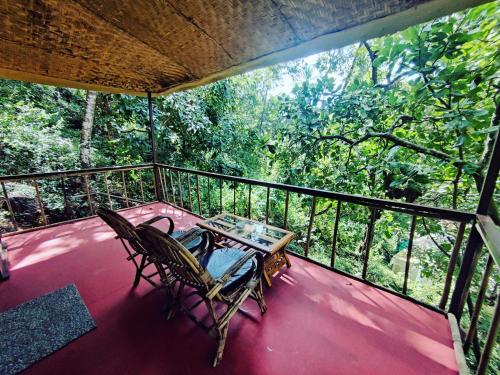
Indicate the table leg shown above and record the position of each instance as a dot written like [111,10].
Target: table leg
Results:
[267,278]
[287,260]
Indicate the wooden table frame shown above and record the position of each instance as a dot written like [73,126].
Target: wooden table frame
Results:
[275,256]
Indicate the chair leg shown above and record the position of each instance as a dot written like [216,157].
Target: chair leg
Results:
[138,272]
[220,333]
[221,342]
[176,303]
[259,297]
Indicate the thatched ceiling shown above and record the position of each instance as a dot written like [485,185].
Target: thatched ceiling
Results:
[134,46]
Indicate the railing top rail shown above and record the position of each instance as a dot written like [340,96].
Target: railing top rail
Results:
[73,172]
[408,208]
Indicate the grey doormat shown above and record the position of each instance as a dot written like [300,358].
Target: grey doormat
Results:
[37,328]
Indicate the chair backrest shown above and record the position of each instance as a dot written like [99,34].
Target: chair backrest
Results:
[124,229]
[183,265]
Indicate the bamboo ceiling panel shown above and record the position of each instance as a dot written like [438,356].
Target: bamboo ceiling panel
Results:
[135,46]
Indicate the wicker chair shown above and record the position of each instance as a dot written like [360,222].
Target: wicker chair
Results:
[126,232]
[227,275]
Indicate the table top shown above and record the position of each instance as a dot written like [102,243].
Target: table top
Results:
[252,233]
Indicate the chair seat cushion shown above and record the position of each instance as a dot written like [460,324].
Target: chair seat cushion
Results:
[220,260]
[191,245]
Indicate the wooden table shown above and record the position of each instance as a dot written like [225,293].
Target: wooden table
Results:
[271,241]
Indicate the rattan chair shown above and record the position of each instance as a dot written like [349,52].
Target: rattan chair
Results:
[126,233]
[227,275]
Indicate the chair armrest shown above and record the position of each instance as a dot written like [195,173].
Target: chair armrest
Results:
[161,217]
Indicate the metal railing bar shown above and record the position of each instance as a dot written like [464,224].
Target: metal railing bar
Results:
[65,195]
[451,265]
[87,192]
[179,187]
[234,198]
[287,200]
[490,340]
[188,176]
[478,305]
[408,253]
[40,203]
[198,197]
[125,193]
[163,184]
[72,173]
[335,234]
[404,207]
[249,201]
[268,192]
[368,241]
[309,227]
[208,190]
[106,185]
[9,207]
[220,195]
[141,186]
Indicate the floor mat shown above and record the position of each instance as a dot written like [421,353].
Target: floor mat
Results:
[37,328]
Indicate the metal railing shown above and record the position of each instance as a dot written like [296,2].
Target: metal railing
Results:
[489,236]
[110,185]
[176,188]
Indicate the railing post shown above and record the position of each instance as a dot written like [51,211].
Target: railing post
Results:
[9,207]
[451,266]
[124,181]
[490,340]
[220,195]
[408,253]
[40,203]
[141,186]
[198,197]
[189,192]
[268,192]
[65,197]
[208,191]
[172,186]
[368,242]
[164,180]
[234,198]
[479,303]
[473,248]
[87,191]
[180,188]
[106,185]
[309,227]
[287,199]
[163,185]
[249,201]
[156,174]
[335,234]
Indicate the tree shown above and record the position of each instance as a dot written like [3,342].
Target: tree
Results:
[86,133]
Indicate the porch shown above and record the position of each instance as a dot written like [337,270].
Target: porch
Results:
[318,322]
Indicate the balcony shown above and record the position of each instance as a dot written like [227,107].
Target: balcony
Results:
[318,321]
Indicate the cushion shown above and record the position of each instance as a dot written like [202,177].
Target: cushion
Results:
[220,260]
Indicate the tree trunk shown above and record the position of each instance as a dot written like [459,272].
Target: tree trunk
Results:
[86,133]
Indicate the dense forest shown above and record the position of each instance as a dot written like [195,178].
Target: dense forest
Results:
[411,116]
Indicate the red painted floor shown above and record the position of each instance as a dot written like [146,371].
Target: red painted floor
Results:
[318,322]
